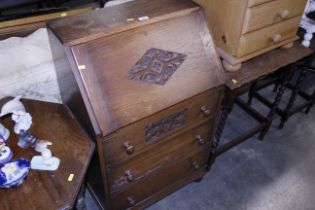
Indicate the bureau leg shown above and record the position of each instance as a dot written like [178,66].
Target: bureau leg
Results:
[276,102]
[292,99]
[226,108]
[229,67]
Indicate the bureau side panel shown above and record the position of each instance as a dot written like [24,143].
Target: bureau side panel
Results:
[225,19]
[69,88]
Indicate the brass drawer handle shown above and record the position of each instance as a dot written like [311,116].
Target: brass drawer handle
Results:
[195,166]
[276,38]
[129,175]
[201,140]
[131,201]
[129,148]
[205,111]
[284,14]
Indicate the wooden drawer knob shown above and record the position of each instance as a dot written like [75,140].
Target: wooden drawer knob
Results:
[205,111]
[284,14]
[129,148]
[129,175]
[276,38]
[201,140]
[195,166]
[131,201]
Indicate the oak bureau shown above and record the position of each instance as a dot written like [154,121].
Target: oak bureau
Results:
[243,29]
[146,82]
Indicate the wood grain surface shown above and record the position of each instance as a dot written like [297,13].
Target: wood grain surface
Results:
[44,190]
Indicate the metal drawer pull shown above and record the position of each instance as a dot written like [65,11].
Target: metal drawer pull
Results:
[276,38]
[205,111]
[129,175]
[195,166]
[284,13]
[131,201]
[200,140]
[129,148]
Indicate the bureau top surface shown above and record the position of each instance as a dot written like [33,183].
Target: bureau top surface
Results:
[111,20]
[130,75]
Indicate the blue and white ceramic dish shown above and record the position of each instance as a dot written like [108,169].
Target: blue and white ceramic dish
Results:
[13,173]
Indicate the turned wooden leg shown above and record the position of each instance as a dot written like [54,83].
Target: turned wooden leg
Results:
[292,99]
[251,93]
[226,108]
[80,203]
[280,91]
[288,46]
[229,67]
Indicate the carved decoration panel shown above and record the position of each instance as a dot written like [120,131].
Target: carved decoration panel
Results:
[156,66]
[165,126]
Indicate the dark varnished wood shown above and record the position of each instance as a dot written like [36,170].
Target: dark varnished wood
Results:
[266,64]
[50,190]
[110,59]
[250,72]
[135,133]
[112,20]
[160,180]
[147,112]
[172,149]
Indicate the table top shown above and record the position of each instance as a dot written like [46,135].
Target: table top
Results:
[42,189]
[266,64]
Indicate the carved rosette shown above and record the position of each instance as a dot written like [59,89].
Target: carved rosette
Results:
[156,66]
[165,126]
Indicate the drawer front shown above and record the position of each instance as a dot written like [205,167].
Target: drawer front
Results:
[267,37]
[252,3]
[271,13]
[130,141]
[161,179]
[173,150]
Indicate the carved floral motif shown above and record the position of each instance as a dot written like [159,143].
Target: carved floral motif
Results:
[166,125]
[156,66]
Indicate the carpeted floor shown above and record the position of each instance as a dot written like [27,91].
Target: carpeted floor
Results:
[276,174]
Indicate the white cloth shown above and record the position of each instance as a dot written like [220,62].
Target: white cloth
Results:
[28,66]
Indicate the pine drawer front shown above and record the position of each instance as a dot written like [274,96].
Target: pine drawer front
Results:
[252,3]
[173,150]
[136,138]
[268,37]
[160,180]
[272,12]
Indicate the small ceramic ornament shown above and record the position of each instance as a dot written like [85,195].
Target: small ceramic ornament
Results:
[5,133]
[5,152]
[23,122]
[13,173]
[46,161]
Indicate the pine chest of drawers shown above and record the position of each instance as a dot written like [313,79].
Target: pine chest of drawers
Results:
[243,29]
[146,82]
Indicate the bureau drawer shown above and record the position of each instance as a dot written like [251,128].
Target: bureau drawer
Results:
[173,150]
[257,2]
[136,138]
[272,12]
[267,37]
[162,179]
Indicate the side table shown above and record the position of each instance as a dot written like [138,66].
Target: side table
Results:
[251,72]
[43,189]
